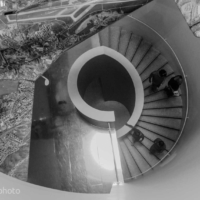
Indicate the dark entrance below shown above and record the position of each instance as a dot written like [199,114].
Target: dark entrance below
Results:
[106,85]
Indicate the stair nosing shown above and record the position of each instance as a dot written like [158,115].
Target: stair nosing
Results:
[154,60]
[150,62]
[145,53]
[137,49]
[133,157]
[159,99]
[162,116]
[160,125]
[155,70]
[163,107]
[131,33]
[152,154]
[137,46]
[141,155]
[148,150]
[156,133]
[125,159]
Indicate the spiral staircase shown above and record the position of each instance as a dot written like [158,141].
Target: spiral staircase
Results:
[162,116]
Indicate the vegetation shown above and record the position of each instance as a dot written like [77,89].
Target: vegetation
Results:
[29,43]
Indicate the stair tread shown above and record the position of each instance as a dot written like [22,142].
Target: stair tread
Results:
[139,159]
[166,67]
[151,159]
[148,59]
[166,132]
[158,63]
[133,168]
[166,122]
[124,41]
[164,112]
[148,143]
[171,102]
[114,37]
[125,170]
[156,96]
[104,37]
[140,53]
[132,47]
[153,136]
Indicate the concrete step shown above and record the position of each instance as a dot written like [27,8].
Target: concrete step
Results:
[133,168]
[104,37]
[139,159]
[124,41]
[148,143]
[114,37]
[152,136]
[133,46]
[140,53]
[158,63]
[163,131]
[165,122]
[166,67]
[125,170]
[171,102]
[156,96]
[164,112]
[151,159]
[151,55]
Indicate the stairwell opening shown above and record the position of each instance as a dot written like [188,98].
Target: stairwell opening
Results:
[105,84]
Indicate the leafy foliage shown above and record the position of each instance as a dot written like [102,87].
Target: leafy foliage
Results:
[32,42]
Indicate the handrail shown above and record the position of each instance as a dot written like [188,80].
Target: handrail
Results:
[114,159]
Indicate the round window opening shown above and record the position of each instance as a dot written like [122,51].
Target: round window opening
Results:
[106,85]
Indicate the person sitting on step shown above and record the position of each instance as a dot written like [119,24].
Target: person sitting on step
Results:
[173,85]
[157,78]
[158,146]
[137,135]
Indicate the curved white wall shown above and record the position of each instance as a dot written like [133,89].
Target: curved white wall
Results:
[98,115]
[179,179]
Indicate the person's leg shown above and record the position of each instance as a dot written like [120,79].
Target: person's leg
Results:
[154,87]
[152,149]
[169,91]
